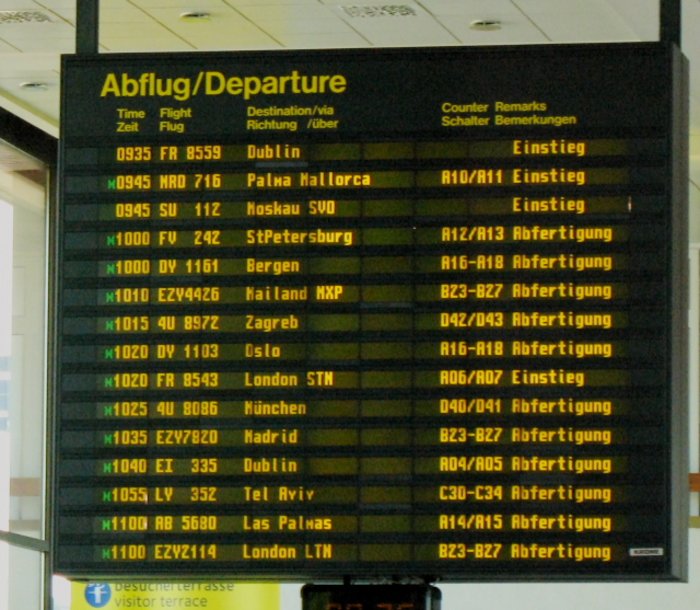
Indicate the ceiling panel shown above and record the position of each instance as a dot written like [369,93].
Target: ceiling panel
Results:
[122,11]
[281,3]
[178,6]
[641,16]
[149,44]
[337,40]
[21,5]
[513,27]
[575,21]
[6,48]
[302,18]
[402,24]
[42,101]
[128,30]
[226,29]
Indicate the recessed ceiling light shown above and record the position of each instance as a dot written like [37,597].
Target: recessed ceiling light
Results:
[34,85]
[23,17]
[195,16]
[383,10]
[485,25]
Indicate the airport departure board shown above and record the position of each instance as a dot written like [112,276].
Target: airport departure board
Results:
[373,313]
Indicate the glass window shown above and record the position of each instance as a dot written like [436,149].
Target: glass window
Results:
[23,300]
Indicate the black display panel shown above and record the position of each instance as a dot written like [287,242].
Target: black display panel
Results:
[411,313]
[370,597]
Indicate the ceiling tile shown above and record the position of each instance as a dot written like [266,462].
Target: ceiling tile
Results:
[318,17]
[457,17]
[310,21]
[240,3]
[183,5]
[121,13]
[225,16]
[235,42]
[575,21]
[134,30]
[51,29]
[407,24]
[6,47]
[20,5]
[337,40]
[18,64]
[279,28]
[125,44]
[483,8]
[44,44]
[226,29]
[45,100]
[509,34]
[641,16]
